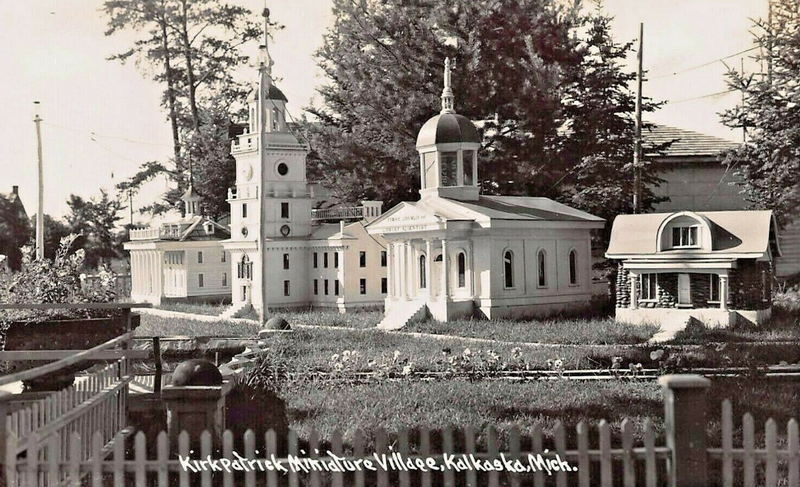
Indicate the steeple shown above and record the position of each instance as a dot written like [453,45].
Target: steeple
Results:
[191,201]
[265,60]
[447,92]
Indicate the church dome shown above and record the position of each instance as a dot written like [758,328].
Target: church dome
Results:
[447,128]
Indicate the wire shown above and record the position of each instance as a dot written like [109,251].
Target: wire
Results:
[710,95]
[93,134]
[703,65]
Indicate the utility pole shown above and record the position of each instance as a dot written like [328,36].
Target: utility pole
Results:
[637,140]
[40,211]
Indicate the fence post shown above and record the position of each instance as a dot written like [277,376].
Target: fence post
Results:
[5,398]
[685,428]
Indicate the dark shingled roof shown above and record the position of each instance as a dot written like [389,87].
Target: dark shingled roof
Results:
[447,127]
[685,143]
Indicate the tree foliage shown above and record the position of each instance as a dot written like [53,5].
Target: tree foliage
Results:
[769,163]
[192,48]
[95,220]
[542,78]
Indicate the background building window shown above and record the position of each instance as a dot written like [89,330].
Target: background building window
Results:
[713,291]
[384,285]
[284,209]
[461,262]
[285,261]
[244,210]
[541,259]
[383,258]
[325,286]
[684,236]
[336,260]
[199,280]
[223,257]
[200,257]
[224,279]
[648,288]
[316,287]
[325,260]
[336,287]
[573,267]
[508,268]
[362,284]
[315,260]
[285,288]
[362,259]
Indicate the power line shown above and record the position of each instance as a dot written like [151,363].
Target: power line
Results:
[710,95]
[703,65]
[93,134]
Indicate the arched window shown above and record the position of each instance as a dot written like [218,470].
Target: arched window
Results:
[541,259]
[276,118]
[573,267]
[462,269]
[508,268]
[422,281]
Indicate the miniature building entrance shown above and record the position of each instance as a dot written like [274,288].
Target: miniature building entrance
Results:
[684,290]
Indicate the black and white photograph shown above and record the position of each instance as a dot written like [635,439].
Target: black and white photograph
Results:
[412,243]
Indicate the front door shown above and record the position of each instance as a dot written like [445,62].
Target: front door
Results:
[684,289]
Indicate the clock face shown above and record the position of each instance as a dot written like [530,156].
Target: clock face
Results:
[247,172]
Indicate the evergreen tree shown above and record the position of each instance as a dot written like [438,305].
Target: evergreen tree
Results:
[95,221]
[769,163]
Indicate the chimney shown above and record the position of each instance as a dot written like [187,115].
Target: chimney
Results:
[15,190]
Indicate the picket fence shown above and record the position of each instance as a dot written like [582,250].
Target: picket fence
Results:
[648,462]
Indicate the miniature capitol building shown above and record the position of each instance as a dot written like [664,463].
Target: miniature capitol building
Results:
[455,251]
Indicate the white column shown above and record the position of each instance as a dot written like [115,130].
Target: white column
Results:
[632,278]
[428,265]
[471,269]
[445,272]
[401,265]
[410,281]
[723,292]
[389,273]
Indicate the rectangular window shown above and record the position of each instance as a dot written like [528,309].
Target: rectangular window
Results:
[223,257]
[383,258]
[285,261]
[336,287]
[284,209]
[684,236]
[648,287]
[362,284]
[713,291]
[429,163]
[199,257]
[316,287]
[285,288]
[199,280]
[467,158]
[326,287]
[325,260]
[449,164]
[362,259]
[384,285]
[315,260]
[336,260]
[224,279]
[244,210]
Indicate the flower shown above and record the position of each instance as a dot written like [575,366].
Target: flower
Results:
[408,369]
[396,355]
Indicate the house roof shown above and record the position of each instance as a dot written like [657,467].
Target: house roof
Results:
[685,143]
[732,232]
[330,231]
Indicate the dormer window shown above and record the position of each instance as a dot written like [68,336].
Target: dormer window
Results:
[685,236]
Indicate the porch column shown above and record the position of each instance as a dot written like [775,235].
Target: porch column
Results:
[401,275]
[389,273]
[428,265]
[445,272]
[634,292]
[412,281]
[723,292]
[470,269]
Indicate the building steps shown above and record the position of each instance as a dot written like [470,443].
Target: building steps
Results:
[236,311]
[401,316]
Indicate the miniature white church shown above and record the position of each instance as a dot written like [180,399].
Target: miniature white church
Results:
[456,252]
[282,255]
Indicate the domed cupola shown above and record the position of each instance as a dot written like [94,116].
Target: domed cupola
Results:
[448,146]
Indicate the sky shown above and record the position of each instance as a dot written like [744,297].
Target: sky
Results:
[102,119]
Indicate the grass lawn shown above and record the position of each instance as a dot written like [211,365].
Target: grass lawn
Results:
[210,308]
[555,330]
[152,325]
[437,405]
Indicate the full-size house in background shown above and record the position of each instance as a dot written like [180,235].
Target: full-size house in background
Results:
[456,251]
[715,266]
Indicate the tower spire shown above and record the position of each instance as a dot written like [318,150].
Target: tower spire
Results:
[447,92]
[265,61]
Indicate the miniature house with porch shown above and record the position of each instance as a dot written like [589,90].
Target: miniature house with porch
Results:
[714,266]
[455,251]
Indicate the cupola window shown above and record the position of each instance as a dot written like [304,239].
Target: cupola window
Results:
[466,168]
[449,163]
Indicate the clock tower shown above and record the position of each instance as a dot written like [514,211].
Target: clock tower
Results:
[271,202]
